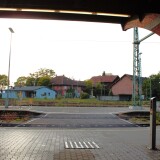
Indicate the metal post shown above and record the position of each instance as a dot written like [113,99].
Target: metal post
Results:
[137,77]
[153,123]
[136,95]
[150,88]
[7,96]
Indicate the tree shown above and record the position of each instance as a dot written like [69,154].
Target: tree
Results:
[30,81]
[44,81]
[21,81]
[42,78]
[89,86]
[3,80]
[152,84]
[43,72]
[98,89]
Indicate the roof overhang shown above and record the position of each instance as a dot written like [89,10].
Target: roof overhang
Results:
[128,13]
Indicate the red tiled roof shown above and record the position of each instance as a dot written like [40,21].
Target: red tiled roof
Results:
[106,78]
[62,80]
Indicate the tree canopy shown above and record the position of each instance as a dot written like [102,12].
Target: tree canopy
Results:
[3,80]
[40,78]
[151,86]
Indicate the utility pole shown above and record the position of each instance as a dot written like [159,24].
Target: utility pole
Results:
[137,81]
[137,70]
[7,96]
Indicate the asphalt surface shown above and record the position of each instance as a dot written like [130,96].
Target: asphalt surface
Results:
[71,120]
[73,117]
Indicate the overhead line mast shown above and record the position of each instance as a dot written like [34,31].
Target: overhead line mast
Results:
[137,70]
[137,81]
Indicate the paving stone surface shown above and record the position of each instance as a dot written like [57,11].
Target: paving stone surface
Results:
[44,143]
[49,144]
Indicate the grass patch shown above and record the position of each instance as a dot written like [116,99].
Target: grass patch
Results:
[77,102]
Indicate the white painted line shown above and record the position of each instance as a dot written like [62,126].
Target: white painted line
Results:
[45,115]
[85,144]
[71,144]
[122,119]
[90,145]
[95,144]
[27,122]
[32,120]
[76,145]
[81,145]
[66,145]
[125,121]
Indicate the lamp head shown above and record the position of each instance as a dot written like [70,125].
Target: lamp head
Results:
[11,30]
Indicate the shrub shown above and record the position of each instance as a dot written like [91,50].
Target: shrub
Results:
[84,95]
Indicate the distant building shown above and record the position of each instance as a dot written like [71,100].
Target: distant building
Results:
[124,87]
[30,92]
[65,86]
[106,80]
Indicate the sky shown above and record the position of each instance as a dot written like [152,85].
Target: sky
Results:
[78,50]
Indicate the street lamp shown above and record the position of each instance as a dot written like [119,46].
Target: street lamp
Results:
[7,97]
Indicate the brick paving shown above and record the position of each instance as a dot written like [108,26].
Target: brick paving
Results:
[48,144]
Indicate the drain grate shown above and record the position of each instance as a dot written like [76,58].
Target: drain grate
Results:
[81,145]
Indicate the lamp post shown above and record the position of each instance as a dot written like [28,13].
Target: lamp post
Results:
[7,97]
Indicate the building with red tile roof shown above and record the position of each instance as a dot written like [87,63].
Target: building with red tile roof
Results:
[124,87]
[106,80]
[61,84]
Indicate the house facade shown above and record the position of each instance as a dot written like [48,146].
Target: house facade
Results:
[107,81]
[67,87]
[123,87]
[29,92]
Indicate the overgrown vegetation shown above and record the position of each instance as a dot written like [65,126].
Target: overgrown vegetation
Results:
[16,116]
[13,116]
[60,101]
[84,95]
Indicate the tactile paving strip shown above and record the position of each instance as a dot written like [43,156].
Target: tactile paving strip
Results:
[81,145]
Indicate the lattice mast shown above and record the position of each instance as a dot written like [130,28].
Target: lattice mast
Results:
[137,81]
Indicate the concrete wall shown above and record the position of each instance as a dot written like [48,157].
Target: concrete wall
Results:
[109,98]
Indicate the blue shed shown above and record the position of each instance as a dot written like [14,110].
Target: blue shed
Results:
[30,92]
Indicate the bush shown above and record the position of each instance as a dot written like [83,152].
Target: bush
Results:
[158,116]
[84,95]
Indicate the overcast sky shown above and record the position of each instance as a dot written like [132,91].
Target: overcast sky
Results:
[77,50]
